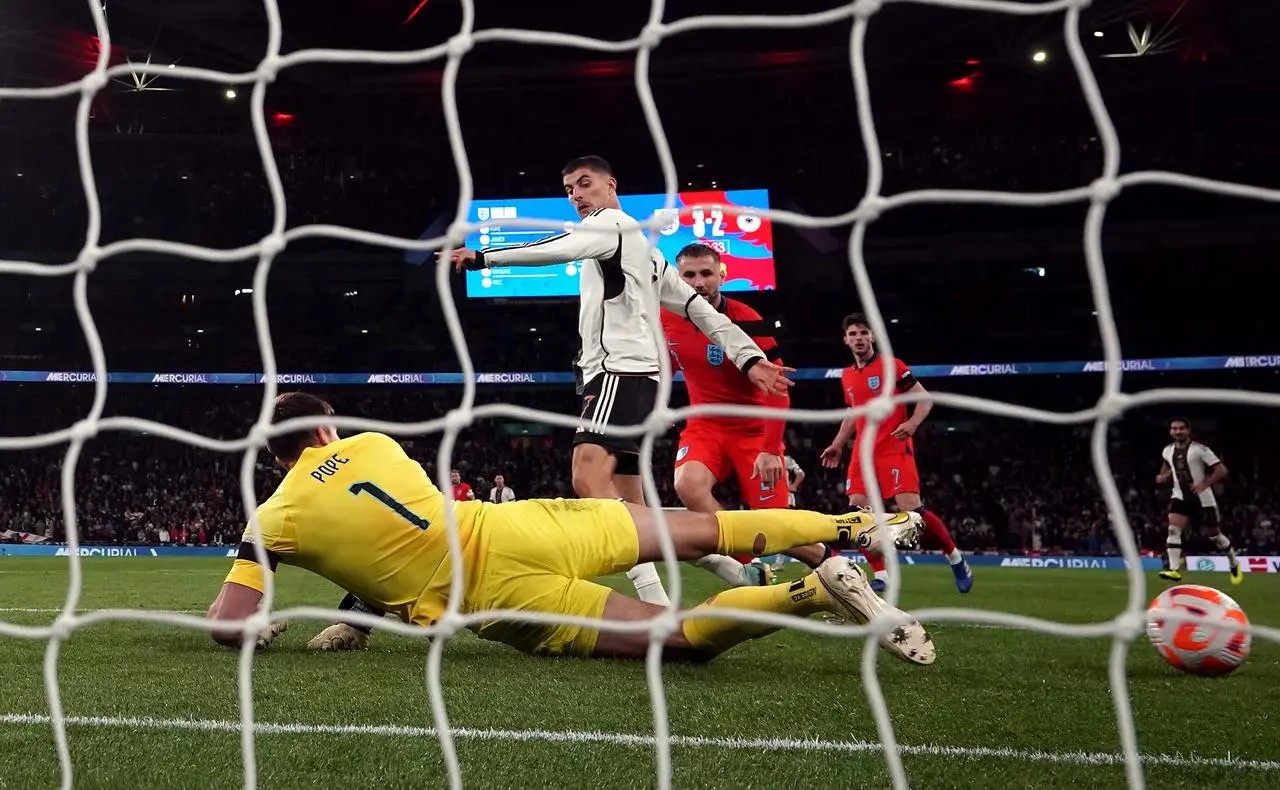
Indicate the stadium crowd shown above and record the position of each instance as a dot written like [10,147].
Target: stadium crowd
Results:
[1003,485]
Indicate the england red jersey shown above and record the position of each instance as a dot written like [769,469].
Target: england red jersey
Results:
[861,384]
[462,492]
[710,376]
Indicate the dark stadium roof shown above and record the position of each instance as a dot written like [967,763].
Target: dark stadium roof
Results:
[54,39]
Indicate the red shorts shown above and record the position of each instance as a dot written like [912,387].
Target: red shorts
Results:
[896,474]
[725,450]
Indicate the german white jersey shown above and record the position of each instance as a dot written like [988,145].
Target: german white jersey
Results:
[614,322]
[793,471]
[1191,463]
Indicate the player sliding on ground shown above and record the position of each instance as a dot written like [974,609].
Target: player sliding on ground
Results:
[894,452]
[362,514]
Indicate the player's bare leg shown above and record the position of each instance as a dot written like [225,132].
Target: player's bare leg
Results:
[596,476]
[837,587]
[593,468]
[694,485]
[935,527]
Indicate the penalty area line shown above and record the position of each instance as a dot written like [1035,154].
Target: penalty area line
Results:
[630,740]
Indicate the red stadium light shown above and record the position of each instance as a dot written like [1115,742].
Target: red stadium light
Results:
[414,12]
[967,82]
[603,68]
[282,118]
[973,62]
[784,58]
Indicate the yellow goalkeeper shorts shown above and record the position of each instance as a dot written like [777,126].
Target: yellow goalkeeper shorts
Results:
[537,556]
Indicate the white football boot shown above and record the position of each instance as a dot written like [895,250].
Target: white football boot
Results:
[854,599]
[859,529]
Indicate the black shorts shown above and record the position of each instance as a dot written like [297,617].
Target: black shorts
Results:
[1196,513]
[611,399]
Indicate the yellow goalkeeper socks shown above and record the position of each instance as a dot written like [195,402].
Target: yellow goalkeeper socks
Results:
[801,598]
[761,532]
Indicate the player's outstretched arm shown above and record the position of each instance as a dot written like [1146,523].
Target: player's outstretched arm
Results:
[1165,474]
[572,245]
[678,296]
[832,455]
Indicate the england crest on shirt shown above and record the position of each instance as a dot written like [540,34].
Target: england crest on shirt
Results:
[715,355]
[873,382]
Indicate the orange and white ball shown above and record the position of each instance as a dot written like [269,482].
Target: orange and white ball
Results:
[1211,647]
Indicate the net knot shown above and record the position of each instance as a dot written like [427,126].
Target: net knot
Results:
[1112,405]
[450,624]
[1104,190]
[84,430]
[62,625]
[458,420]
[460,45]
[871,207]
[865,8]
[652,35]
[258,435]
[88,259]
[273,245]
[94,81]
[664,625]
[660,421]
[456,235]
[1130,624]
[879,409]
[269,68]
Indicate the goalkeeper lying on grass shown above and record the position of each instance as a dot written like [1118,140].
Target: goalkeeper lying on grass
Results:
[362,514]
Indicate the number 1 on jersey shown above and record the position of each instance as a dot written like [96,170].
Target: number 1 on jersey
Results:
[372,490]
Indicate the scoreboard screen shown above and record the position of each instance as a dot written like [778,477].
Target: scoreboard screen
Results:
[727,222]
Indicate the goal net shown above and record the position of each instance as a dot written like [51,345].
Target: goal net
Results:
[1122,629]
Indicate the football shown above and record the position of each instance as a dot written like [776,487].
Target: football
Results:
[1211,648]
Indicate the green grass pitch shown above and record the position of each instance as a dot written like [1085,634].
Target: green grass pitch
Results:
[156,705]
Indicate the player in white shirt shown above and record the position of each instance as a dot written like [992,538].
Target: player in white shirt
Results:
[1193,469]
[795,476]
[619,355]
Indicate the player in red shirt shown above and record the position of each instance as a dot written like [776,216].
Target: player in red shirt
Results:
[894,452]
[461,491]
[712,448]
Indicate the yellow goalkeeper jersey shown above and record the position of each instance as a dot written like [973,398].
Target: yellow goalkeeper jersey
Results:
[364,515]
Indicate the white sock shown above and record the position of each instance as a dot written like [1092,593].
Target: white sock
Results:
[1174,547]
[728,569]
[955,557]
[648,584]
[1223,543]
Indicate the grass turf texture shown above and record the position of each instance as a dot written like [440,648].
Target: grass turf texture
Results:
[999,709]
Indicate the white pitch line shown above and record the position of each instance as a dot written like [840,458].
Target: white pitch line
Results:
[629,740]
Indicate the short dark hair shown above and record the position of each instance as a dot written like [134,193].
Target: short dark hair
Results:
[591,162]
[288,446]
[854,319]
[698,250]
[1182,420]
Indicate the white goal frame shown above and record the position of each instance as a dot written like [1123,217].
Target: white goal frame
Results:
[1112,403]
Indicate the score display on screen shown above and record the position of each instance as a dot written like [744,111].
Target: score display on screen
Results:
[726,222]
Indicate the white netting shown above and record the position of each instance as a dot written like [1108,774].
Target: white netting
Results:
[1123,629]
